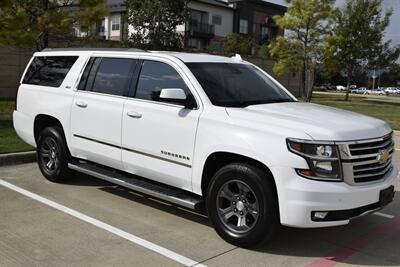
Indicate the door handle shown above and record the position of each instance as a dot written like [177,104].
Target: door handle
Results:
[81,104]
[134,114]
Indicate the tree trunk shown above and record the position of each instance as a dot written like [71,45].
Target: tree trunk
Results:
[310,84]
[304,82]
[348,84]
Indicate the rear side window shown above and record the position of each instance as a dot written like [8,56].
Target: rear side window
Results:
[49,71]
[108,75]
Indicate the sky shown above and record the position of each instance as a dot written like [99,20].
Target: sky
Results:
[393,30]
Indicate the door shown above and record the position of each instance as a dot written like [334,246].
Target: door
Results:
[158,138]
[97,110]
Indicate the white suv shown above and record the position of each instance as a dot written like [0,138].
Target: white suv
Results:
[198,129]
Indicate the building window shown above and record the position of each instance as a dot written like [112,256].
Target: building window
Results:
[115,23]
[243,26]
[216,19]
[101,27]
[267,34]
[254,28]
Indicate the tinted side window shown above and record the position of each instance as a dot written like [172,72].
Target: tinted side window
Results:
[113,76]
[155,76]
[49,71]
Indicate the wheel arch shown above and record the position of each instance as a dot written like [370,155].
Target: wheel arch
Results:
[42,121]
[217,160]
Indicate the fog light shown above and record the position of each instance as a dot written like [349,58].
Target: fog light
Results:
[320,215]
[325,166]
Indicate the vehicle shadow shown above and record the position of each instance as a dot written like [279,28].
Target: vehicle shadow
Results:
[334,242]
[289,242]
[198,215]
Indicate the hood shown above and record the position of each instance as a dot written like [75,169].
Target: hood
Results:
[317,121]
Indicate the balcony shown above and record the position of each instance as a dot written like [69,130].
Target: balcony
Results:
[200,30]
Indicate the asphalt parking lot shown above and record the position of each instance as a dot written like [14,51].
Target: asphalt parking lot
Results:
[88,222]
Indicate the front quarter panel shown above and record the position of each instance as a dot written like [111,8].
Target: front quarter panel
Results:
[218,132]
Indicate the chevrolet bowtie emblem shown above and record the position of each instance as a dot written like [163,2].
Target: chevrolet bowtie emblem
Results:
[383,156]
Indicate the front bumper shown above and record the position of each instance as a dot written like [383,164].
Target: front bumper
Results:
[299,198]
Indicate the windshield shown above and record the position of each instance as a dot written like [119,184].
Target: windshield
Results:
[237,85]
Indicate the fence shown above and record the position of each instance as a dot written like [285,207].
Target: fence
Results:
[13,61]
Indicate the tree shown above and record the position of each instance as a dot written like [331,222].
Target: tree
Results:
[306,23]
[392,76]
[236,44]
[155,22]
[33,22]
[357,39]
[89,15]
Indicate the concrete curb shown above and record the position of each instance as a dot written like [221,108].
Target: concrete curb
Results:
[17,158]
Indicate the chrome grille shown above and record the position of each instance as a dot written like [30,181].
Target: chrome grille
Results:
[360,161]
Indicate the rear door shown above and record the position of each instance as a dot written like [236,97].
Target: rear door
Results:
[97,109]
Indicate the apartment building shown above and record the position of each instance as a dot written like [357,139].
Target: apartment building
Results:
[113,27]
[255,18]
[210,20]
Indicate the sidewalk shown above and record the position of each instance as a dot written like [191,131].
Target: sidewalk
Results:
[396,135]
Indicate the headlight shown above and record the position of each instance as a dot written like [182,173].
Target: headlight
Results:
[322,158]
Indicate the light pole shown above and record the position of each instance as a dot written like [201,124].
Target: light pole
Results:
[373,80]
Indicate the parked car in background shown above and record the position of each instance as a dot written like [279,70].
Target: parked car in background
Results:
[353,87]
[330,87]
[340,88]
[376,92]
[361,90]
[392,90]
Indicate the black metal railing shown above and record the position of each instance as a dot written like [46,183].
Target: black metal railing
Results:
[199,28]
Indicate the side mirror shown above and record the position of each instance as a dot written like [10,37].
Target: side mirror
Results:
[177,96]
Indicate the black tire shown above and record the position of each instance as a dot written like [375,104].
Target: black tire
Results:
[258,226]
[51,146]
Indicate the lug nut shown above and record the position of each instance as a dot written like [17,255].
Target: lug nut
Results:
[234,202]
[237,197]
[241,213]
[235,210]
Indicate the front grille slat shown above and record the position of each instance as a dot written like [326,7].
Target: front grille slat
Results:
[360,154]
[384,145]
[362,161]
[370,167]
[373,173]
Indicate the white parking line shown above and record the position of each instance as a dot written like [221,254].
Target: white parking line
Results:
[135,239]
[384,215]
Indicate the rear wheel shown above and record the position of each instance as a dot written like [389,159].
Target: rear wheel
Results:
[53,155]
[242,205]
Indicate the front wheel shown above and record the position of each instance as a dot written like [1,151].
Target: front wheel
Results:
[242,205]
[53,155]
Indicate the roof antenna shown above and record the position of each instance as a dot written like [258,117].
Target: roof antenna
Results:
[237,57]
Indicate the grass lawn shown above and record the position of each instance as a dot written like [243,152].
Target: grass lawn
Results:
[9,141]
[389,112]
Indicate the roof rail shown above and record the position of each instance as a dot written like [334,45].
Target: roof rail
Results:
[94,49]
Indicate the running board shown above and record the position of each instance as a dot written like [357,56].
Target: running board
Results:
[157,190]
